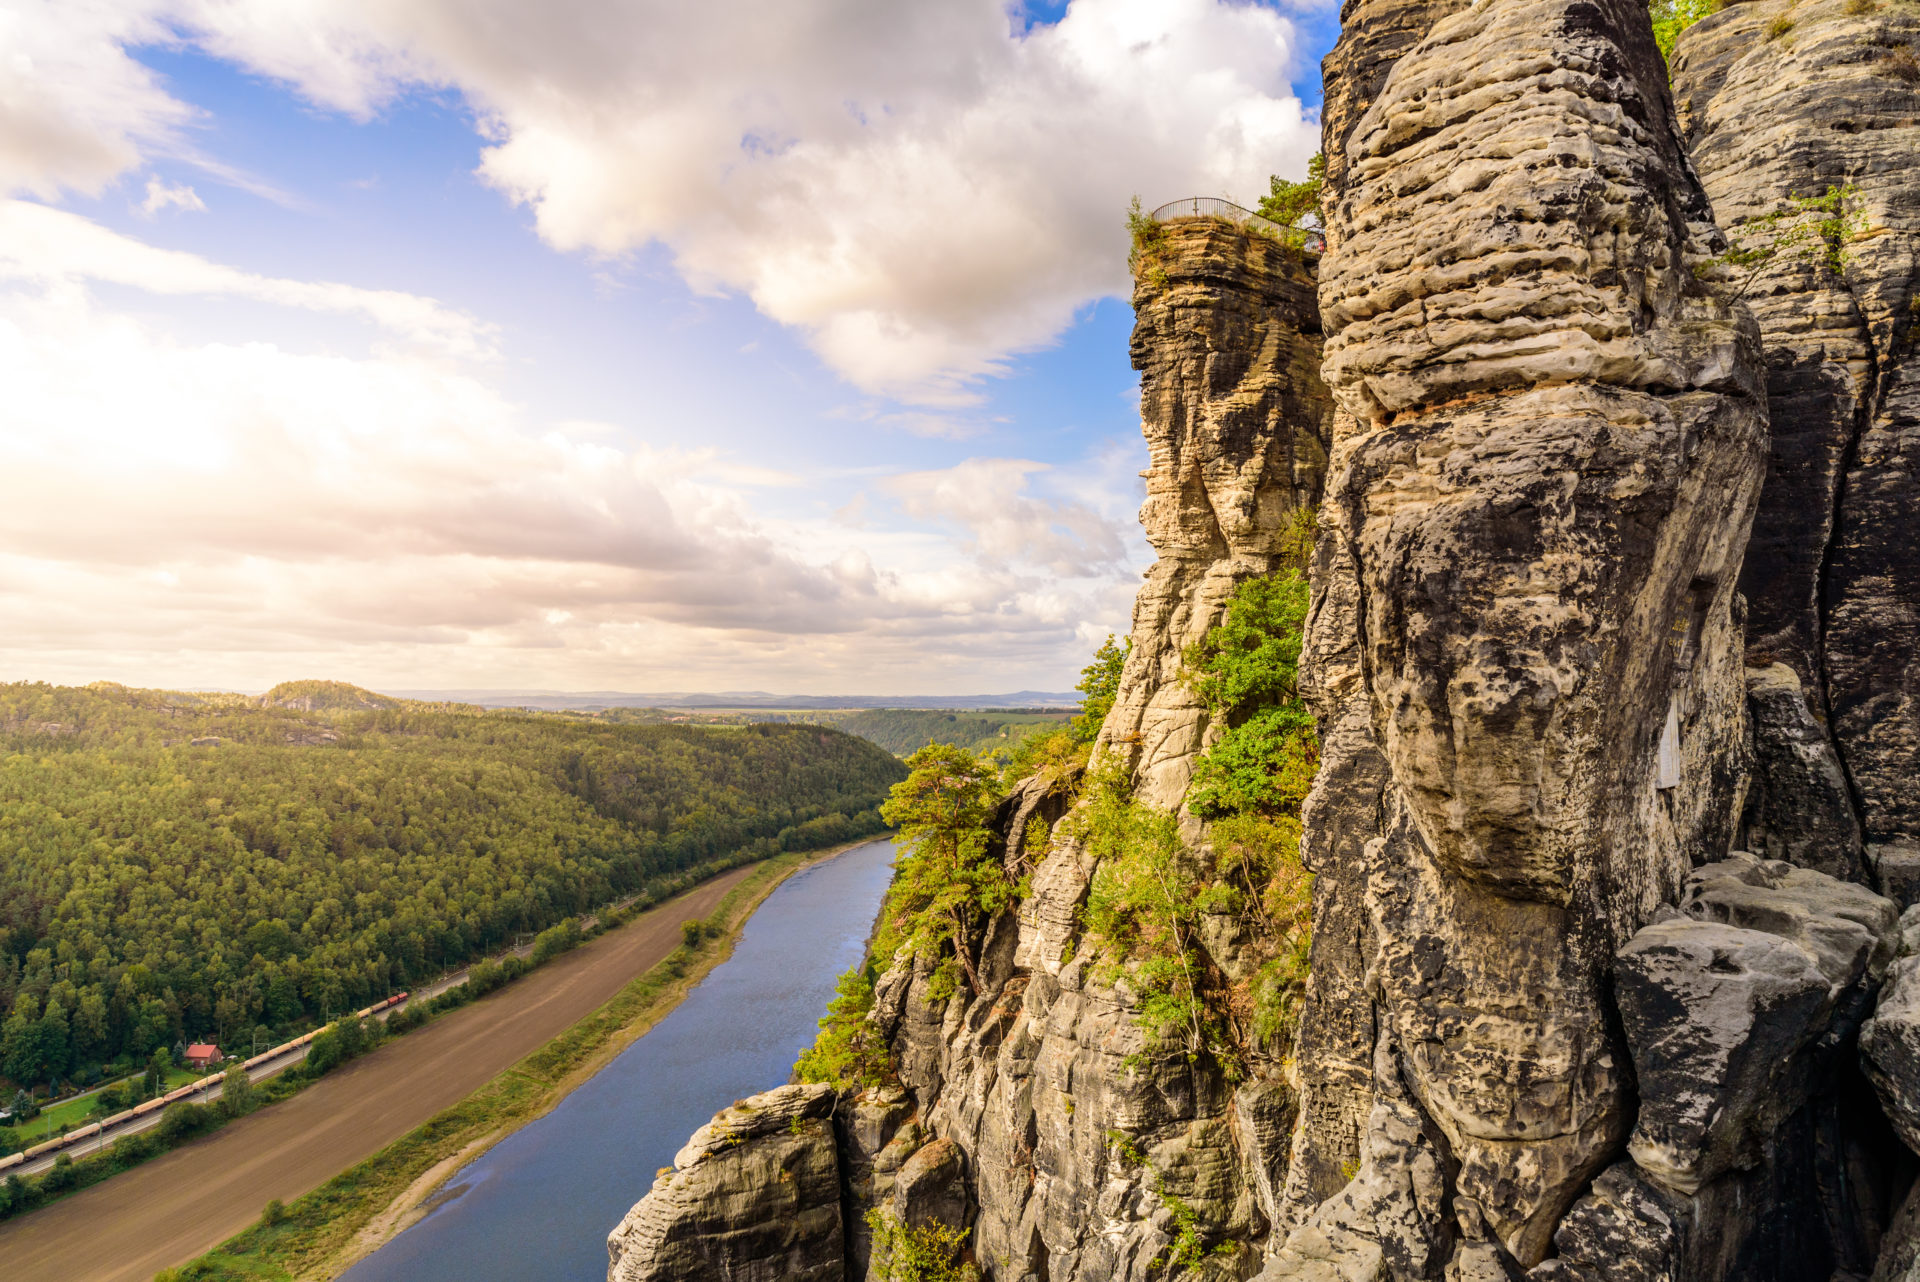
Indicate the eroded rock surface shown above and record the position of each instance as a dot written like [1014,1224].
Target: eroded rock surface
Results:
[1782,100]
[754,1196]
[1550,440]
[1226,339]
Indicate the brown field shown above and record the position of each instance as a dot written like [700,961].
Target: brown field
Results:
[184,1203]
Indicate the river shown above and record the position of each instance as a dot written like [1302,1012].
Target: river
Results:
[540,1203]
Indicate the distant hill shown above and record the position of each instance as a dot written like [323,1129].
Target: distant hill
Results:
[325,696]
[591,700]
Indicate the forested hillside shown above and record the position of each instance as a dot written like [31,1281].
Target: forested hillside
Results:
[180,866]
[905,730]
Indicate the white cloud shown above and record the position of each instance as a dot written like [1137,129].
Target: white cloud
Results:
[226,514]
[1003,525]
[76,110]
[44,245]
[162,196]
[922,189]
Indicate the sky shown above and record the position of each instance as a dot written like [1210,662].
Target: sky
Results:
[591,345]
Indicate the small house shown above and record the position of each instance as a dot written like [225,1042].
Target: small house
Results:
[203,1055]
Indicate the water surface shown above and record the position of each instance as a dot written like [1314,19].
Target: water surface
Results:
[541,1202]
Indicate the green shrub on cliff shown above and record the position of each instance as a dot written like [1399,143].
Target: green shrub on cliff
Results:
[1254,779]
[1291,203]
[849,1052]
[1145,905]
[1671,17]
[905,1253]
[1819,230]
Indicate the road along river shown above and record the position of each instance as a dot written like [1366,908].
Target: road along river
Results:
[174,1207]
[541,1202]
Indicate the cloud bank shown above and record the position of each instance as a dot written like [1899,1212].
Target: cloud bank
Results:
[923,190]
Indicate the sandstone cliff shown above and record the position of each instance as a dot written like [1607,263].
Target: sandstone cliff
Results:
[1616,805]
[1780,101]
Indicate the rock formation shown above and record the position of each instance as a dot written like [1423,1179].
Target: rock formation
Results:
[1616,807]
[1549,448]
[754,1196]
[1778,101]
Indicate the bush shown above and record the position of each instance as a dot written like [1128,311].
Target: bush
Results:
[183,1119]
[903,1253]
[1671,17]
[555,940]
[236,1092]
[59,1178]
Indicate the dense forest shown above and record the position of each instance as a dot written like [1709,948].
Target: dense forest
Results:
[177,866]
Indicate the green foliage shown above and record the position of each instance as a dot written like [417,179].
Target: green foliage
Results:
[1671,17]
[1100,684]
[1819,230]
[186,867]
[849,1052]
[1247,671]
[1258,856]
[1147,240]
[946,881]
[903,1253]
[554,940]
[1292,203]
[1143,906]
[236,1092]
[1253,781]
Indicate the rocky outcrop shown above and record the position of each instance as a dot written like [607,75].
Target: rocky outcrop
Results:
[1082,1149]
[753,1197]
[1739,1011]
[1548,449]
[1226,339]
[1781,100]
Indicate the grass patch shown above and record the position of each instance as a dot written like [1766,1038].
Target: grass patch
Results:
[319,1233]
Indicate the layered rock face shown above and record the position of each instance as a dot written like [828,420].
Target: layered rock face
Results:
[754,1196]
[1237,426]
[1524,642]
[1777,101]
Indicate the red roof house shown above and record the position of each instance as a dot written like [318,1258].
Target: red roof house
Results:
[203,1055]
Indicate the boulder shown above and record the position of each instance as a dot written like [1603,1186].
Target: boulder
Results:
[1716,1016]
[754,1196]
[1727,1003]
[1890,1041]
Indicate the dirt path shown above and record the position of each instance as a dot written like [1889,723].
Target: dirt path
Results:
[184,1203]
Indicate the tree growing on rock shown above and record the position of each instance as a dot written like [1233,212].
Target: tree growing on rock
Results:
[947,882]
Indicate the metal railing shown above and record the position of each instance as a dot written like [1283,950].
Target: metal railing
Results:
[1214,207]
